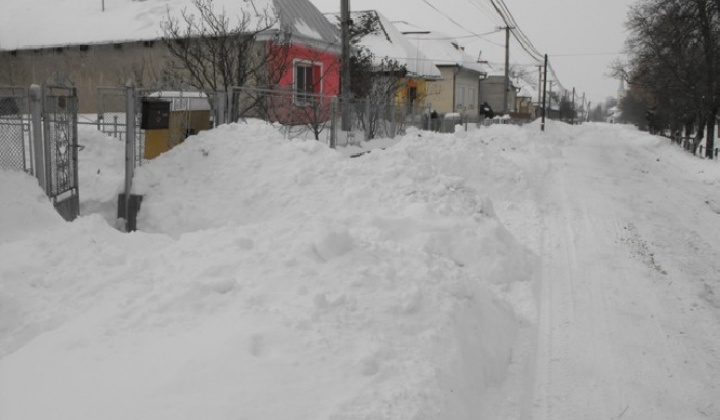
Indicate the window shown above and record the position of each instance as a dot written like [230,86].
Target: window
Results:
[307,82]
[460,101]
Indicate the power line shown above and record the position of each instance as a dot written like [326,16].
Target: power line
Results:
[447,38]
[451,19]
[486,11]
[586,54]
[522,39]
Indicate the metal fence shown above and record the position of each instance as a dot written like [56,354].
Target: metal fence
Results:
[38,135]
[698,147]
[15,140]
[326,118]
[112,117]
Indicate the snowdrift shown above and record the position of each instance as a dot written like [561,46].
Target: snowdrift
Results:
[269,279]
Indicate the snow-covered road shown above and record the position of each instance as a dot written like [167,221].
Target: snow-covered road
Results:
[628,306]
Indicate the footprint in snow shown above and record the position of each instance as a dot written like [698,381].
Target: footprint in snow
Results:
[713,206]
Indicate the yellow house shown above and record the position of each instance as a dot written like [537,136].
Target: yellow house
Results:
[413,91]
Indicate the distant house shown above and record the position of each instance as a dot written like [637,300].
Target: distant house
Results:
[385,41]
[526,95]
[458,90]
[94,48]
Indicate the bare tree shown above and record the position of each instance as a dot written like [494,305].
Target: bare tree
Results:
[674,49]
[213,52]
[374,82]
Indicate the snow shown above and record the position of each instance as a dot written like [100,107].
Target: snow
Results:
[443,50]
[72,22]
[388,42]
[302,28]
[496,273]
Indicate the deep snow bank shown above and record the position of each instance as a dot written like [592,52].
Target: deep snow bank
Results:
[25,208]
[270,279]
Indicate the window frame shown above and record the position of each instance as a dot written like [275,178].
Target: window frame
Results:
[305,97]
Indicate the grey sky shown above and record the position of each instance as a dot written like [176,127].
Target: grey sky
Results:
[581,37]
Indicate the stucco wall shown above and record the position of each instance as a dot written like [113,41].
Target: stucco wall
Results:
[440,93]
[444,95]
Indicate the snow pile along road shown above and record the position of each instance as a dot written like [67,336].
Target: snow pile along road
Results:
[268,279]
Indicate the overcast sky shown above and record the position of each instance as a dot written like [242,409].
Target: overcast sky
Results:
[582,38]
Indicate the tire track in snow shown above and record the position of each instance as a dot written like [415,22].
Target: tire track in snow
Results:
[607,343]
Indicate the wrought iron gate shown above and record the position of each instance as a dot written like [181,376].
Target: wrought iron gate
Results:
[60,106]
[15,144]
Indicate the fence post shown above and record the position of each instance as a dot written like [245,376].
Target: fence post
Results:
[129,152]
[220,108]
[37,135]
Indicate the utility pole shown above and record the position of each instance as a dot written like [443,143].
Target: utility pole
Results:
[544,90]
[345,23]
[507,68]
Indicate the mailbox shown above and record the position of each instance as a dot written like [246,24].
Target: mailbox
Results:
[155,114]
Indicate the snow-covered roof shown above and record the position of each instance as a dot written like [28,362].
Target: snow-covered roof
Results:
[183,101]
[441,50]
[41,23]
[527,90]
[387,41]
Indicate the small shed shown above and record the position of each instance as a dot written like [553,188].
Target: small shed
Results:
[186,114]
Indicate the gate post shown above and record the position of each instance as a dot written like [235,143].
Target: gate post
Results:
[129,152]
[37,136]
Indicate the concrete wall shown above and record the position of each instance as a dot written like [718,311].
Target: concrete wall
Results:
[87,67]
[147,64]
[493,91]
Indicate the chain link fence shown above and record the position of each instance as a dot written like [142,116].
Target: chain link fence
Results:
[15,141]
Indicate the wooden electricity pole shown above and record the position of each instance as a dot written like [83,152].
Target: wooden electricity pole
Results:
[345,23]
[507,69]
